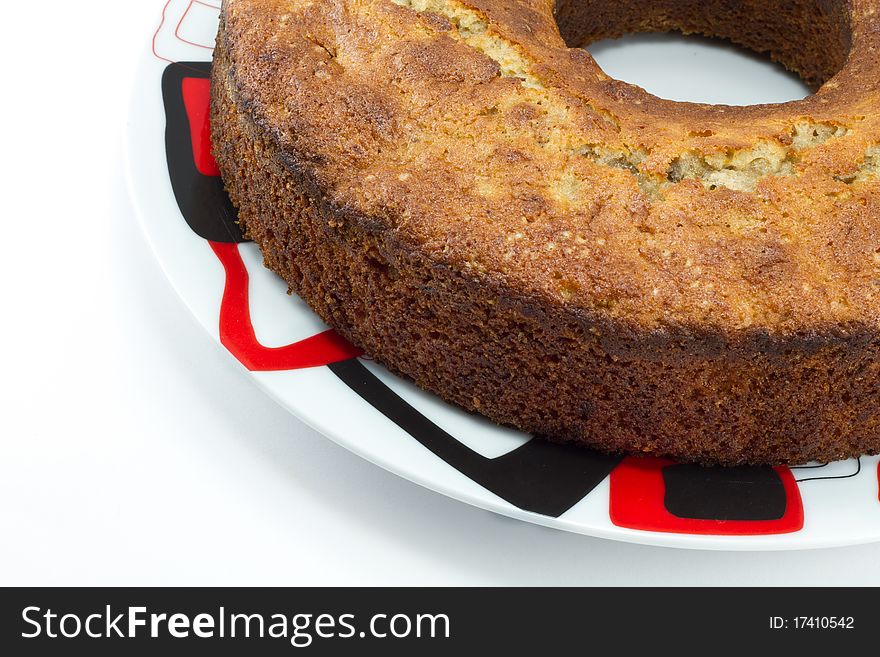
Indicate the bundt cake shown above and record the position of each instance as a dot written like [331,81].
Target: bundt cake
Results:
[456,187]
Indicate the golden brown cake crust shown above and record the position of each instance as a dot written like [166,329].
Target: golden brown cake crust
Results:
[483,210]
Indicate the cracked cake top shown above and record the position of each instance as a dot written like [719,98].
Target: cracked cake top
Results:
[474,132]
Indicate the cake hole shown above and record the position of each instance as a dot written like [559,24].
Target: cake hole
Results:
[697,69]
[810,38]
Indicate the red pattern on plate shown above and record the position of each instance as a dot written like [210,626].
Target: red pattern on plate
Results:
[197,100]
[186,13]
[637,502]
[238,336]
[176,32]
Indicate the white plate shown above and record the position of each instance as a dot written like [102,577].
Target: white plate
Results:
[401,428]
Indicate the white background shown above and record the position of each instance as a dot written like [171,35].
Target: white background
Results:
[135,452]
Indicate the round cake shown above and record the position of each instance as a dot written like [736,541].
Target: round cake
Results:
[460,190]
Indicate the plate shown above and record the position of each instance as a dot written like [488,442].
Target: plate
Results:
[330,385]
